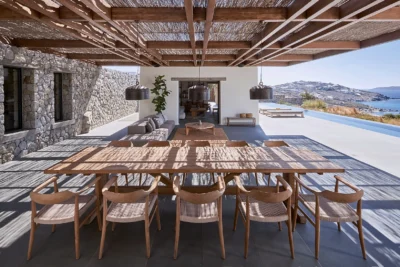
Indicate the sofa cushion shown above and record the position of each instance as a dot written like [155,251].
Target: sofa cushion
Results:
[138,127]
[149,128]
[153,125]
[169,125]
[156,123]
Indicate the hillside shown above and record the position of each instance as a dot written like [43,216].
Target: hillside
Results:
[391,91]
[329,92]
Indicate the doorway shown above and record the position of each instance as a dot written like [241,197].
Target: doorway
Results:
[207,111]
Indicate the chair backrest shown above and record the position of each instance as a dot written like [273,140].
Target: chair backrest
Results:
[277,143]
[53,198]
[197,143]
[130,197]
[236,144]
[269,194]
[120,143]
[199,198]
[158,144]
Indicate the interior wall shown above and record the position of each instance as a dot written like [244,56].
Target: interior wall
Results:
[235,97]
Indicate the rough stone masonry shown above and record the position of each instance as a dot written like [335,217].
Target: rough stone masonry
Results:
[92,97]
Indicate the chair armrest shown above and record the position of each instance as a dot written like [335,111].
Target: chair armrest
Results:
[305,186]
[153,185]
[45,184]
[113,180]
[355,188]
[240,185]
[279,179]
[87,187]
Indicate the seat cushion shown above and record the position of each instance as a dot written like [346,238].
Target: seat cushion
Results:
[170,125]
[264,212]
[64,212]
[138,127]
[129,212]
[330,211]
[199,213]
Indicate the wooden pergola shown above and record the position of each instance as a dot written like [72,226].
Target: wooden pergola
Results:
[193,33]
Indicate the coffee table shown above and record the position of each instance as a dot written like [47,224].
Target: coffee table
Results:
[198,126]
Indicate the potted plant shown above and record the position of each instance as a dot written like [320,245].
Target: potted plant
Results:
[160,91]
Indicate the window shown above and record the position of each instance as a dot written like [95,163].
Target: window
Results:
[12,99]
[58,97]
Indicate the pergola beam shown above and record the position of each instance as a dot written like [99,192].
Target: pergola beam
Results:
[83,11]
[207,27]
[51,43]
[110,26]
[47,15]
[316,30]
[313,10]
[210,57]
[163,14]
[190,22]
[298,7]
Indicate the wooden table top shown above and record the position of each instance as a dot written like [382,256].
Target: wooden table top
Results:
[203,125]
[103,160]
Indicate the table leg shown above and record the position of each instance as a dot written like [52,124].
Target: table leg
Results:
[213,130]
[289,177]
[187,130]
[99,197]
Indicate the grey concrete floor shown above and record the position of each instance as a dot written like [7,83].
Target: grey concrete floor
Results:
[199,245]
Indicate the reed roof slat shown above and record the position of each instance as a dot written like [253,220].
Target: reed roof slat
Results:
[30,30]
[363,30]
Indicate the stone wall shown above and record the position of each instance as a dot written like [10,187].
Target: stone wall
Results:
[92,97]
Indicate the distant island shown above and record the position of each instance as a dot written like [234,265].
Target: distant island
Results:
[377,104]
[391,91]
[336,94]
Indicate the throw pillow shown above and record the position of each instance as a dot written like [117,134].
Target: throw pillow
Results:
[149,129]
[156,123]
[153,126]
[160,119]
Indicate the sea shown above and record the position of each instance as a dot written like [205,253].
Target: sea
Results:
[393,105]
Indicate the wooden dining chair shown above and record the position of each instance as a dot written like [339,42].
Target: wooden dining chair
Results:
[330,206]
[264,205]
[241,144]
[62,207]
[124,143]
[129,207]
[198,144]
[276,143]
[199,208]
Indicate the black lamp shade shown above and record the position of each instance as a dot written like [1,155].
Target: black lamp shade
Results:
[261,92]
[199,93]
[137,92]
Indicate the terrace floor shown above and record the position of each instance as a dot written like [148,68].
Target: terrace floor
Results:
[199,245]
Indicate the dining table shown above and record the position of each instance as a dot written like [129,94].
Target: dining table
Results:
[167,161]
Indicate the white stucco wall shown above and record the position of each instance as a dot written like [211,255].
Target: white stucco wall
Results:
[235,97]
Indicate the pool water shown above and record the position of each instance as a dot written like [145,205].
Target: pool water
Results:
[363,124]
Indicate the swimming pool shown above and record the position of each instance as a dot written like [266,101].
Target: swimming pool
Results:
[363,124]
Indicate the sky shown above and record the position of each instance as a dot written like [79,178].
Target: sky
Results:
[377,66]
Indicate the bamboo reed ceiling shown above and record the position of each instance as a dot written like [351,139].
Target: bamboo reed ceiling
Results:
[205,32]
